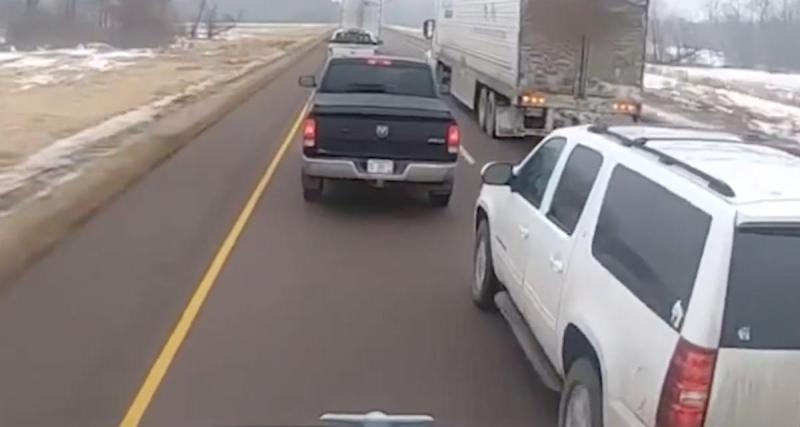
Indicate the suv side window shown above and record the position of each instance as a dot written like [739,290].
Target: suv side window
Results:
[532,179]
[574,187]
[652,241]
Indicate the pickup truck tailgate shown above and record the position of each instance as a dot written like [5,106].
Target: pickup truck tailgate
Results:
[405,131]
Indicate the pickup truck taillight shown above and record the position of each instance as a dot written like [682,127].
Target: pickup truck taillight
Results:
[687,386]
[310,132]
[453,138]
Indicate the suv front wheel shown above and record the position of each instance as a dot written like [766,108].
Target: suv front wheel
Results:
[484,283]
[582,397]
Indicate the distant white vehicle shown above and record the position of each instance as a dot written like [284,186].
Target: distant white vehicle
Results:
[527,67]
[363,14]
[650,274]
[352,43]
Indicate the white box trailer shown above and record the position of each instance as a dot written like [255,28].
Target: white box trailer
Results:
[372,16]
[350,14]
[361,14]
[529,66]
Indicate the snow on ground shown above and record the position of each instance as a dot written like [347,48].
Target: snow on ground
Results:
[46,67]
[777,86]
[761,102]
[59,107]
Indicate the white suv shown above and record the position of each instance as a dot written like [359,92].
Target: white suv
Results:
[651,275]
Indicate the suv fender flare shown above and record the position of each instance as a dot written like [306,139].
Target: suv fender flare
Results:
[580,325]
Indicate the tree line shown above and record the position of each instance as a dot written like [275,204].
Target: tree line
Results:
[748,33]
[123,23]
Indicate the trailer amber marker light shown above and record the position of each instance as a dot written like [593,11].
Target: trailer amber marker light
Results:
[533,99]
[624,107]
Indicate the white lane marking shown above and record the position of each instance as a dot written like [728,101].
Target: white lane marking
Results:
[468,157]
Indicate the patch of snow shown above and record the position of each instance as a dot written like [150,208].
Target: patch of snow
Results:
[29,62]
[46,67]
[760,113]
[662,116]
[62,160]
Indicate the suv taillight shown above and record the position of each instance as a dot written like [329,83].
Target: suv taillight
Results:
[309,132]
[687,387]
[453,138]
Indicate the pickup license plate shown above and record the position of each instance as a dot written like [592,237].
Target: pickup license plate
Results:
[382,167]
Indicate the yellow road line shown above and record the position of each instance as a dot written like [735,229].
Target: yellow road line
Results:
[162,364]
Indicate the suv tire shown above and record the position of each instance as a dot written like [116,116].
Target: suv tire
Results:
[484,281]
[581,402]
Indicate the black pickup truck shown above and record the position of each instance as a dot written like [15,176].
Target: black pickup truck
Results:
[379,119]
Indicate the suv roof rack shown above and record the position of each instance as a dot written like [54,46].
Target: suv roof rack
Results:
[715,184]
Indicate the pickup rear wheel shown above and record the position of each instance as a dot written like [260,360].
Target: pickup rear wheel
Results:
[439,200]
[484,283]
[312,188]
[582,397]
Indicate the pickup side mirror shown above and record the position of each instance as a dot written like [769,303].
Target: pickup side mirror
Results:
[496,173]
[428,28]
[307,81]
[444,89]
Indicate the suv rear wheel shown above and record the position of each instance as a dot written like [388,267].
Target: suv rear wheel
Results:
[582,397]
[484,283]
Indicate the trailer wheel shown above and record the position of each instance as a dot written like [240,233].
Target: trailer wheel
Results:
[481,108]
[491,115]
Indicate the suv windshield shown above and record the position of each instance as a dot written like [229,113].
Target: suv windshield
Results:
[761,310]
[379,76]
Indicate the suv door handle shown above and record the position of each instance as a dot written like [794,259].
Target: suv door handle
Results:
[556,264]
[524,232]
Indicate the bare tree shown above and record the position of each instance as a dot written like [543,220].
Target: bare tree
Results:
[655,32]
[789,11]
[70,9]
[31,6]
[211,21]
[761,10]
[713,10]
[201,10]
[734,10]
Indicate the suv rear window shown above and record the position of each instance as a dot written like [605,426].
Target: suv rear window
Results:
[762,307]
[375,76]
[652,241]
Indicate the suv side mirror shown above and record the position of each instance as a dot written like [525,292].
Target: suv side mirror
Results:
[496,173]
[307,81]
[428,28]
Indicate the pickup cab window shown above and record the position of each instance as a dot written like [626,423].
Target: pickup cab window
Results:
[379,76]
[352,37]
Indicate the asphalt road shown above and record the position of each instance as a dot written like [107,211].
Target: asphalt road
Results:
[358,303]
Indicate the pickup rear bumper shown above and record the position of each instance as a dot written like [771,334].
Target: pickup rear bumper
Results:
[405,171]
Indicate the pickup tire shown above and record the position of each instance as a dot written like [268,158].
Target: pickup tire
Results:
[581,397]
[485,283]
[439,200]
[312,188]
